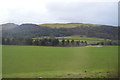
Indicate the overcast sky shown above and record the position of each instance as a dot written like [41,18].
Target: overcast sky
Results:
[59,11]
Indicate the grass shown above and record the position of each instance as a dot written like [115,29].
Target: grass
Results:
[60,62]
[90,40]
[67,25]
[80,37]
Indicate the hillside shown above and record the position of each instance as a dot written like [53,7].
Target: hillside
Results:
[9,26]
[33,30]
[70,25]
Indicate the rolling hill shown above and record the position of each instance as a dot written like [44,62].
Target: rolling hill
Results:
[59,30]
[69,25]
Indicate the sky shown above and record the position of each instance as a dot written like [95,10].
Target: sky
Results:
[59,11]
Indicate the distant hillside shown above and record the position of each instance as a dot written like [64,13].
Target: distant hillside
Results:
[33,30]
[69,25]
[8,26]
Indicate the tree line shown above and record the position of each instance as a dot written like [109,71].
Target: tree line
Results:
[43,42]
[52,42]
[57,42]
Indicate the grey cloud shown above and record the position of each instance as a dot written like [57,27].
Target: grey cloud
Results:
[88,12]
[69,11]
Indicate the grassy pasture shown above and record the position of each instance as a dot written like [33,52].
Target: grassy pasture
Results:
[62,62]
[89,40]
[67,25]
[79,37]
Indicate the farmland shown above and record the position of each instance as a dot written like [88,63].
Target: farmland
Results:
[90,40]
[60,62]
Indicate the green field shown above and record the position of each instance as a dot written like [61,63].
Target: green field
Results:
[90,40]
[60,62]
[80,37]
[67,25]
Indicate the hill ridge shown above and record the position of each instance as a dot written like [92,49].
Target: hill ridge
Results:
[35,30]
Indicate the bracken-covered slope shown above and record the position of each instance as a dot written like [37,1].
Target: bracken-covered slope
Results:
[33,30]
[69,25]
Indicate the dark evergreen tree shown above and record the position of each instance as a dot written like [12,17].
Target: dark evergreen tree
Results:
[77,43]
[85,42]
[72,42]
[63,42]
[82,42]
[29,41]
[3,41]
[67,42]
[43,41]
[102,43]
[36,42]
[8,41]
